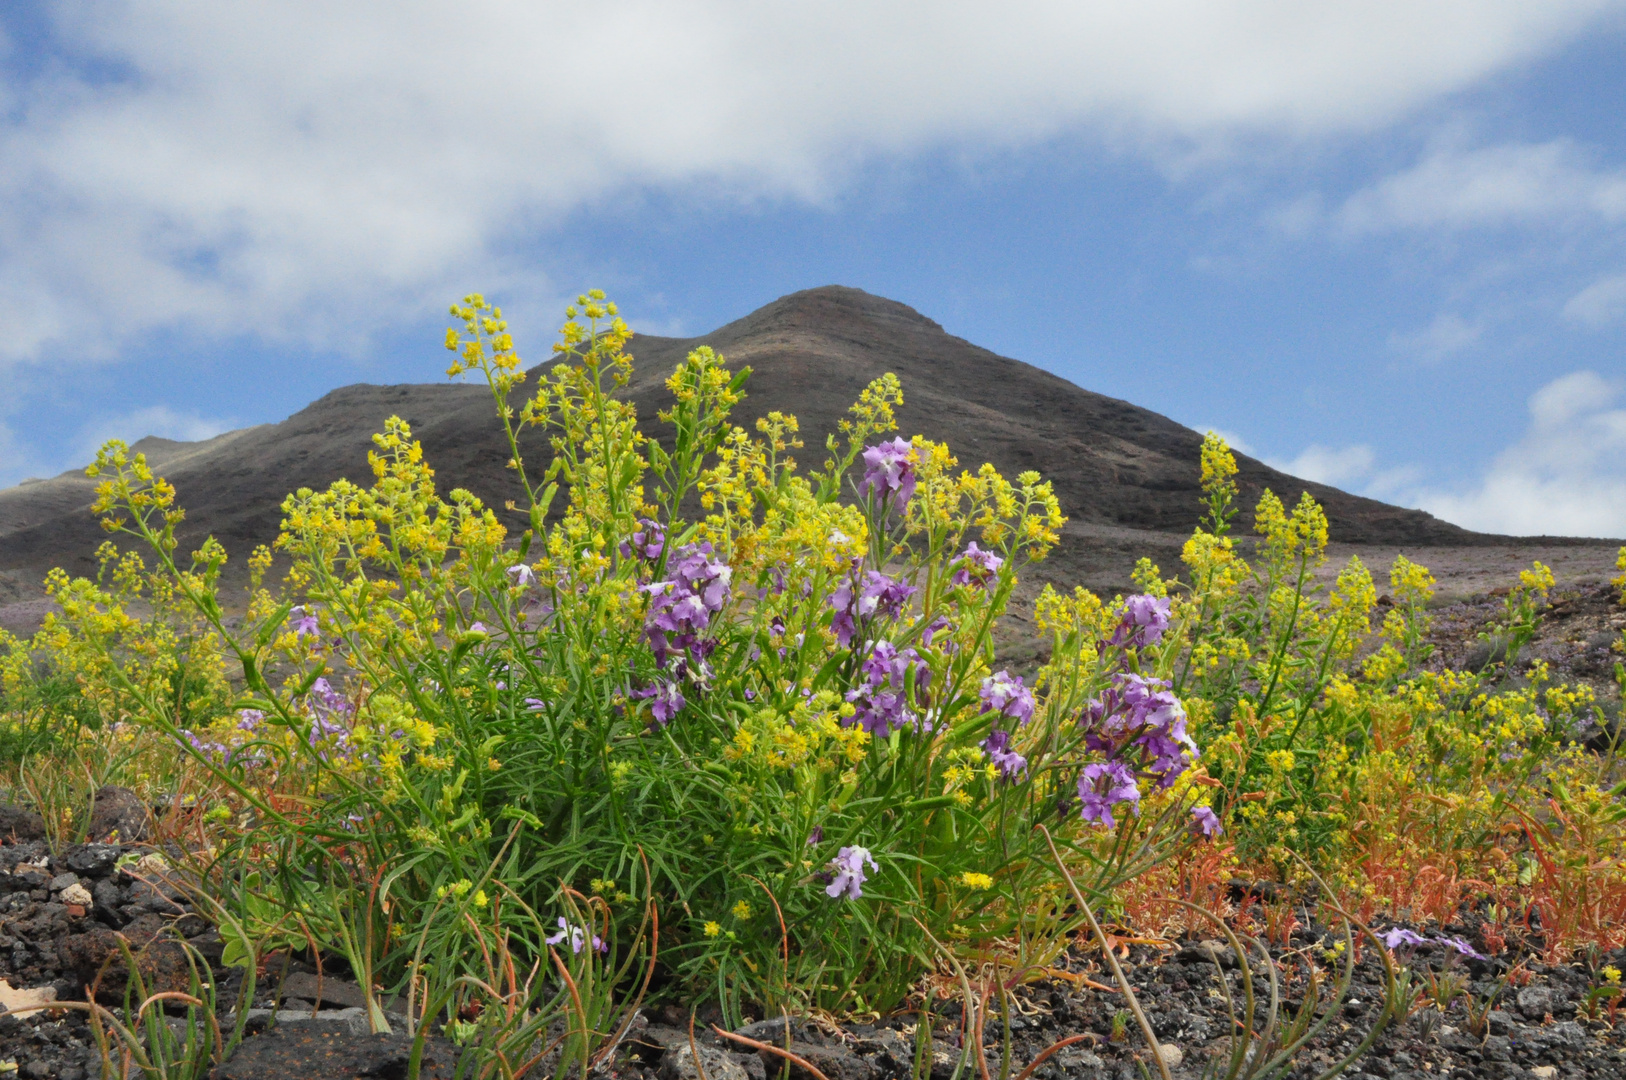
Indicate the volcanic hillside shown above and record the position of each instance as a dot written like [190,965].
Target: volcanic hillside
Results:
[1126,476]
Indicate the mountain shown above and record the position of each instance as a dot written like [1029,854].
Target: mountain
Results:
[1126,476]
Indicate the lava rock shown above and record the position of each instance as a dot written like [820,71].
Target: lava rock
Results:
[1208,953]
[835,1062]
[328,992]
[1536,1002]
[160,958]
[20,824]
[678,1064]
[91,860]
[299,1050]
[118,815]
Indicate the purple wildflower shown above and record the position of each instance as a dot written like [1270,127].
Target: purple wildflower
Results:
[882,700]
[1102,786]
[647,543]
[889,471]
[249,719]
[859,601]
[307,626]
[206,747]
[1205,821]
[535,704]
[577,936]
[696,588]
[1003,693]
[977,567]
[666,701]
[522,574]
[1397,936]
[1144,621]
[1009,762]
[816,836]
[327,700]
[1462,947]
[848,870]
[1142,711]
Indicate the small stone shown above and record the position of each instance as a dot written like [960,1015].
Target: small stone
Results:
[1536,1002]
[76,895]
[1567,1033]
[1208,952]
[150,864]
[62,881]
[78,911]
[1171,1054]
[92,860]
[1545,1072]
[1499,1022]
[678,1064]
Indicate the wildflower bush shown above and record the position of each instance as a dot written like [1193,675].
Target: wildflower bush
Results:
[1349,748]
[760,699]
[709,713]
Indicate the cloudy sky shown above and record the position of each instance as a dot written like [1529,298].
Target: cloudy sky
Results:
[1379,244]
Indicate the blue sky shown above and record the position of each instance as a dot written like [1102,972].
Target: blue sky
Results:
[1382,245]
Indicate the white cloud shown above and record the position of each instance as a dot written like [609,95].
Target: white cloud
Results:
[1447,335]
[1335,466]
[1565,477]
[19,460]
[1599,304]
[1512,184]
[158,420]
[314,169]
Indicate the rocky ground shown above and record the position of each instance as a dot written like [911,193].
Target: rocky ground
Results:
[60,911]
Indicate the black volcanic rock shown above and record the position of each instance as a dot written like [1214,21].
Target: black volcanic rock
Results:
[1121,471]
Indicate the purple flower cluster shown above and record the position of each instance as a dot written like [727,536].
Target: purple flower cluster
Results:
[882,700]
[1138,726]
[977,567]
[665,698]
[206,747]
[1004,693]
[847,870]
[329,710]
[858,601]
[1008,761]
[1103,785]
[647,543]
[696,588]
[1144,621]
[1144,713]
[888,470]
